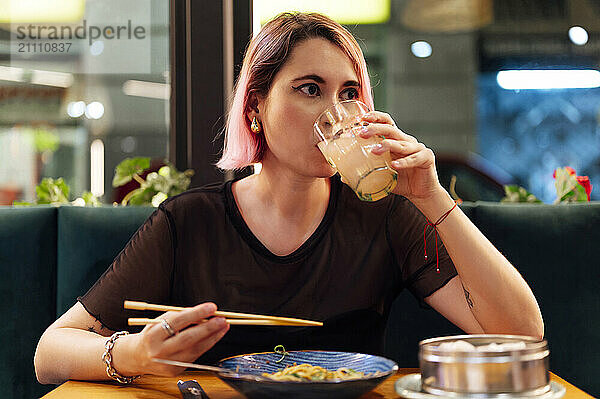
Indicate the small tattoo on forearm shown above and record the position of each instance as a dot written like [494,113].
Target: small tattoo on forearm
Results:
[468,297]
[93,328]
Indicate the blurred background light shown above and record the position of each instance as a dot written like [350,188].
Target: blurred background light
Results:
[548,79]
[51,78]
[343,11]
[578,35]
[97,48]
[75,109]
[94,110]
[141,88]
[11,74]
[421,49]
[97,167]
[17,11]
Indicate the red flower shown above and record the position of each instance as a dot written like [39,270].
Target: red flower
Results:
[586,183]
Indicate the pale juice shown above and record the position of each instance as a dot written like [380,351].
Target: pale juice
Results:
[366,173]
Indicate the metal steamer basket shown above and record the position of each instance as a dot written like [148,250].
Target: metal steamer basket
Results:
[485,374]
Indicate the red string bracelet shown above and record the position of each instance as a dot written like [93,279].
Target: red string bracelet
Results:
[434,225]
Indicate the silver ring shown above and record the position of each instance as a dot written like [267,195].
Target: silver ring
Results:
[167,327]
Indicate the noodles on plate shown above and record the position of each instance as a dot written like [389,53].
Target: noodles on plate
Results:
[307,372]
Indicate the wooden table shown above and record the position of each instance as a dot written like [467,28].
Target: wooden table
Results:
[166,387]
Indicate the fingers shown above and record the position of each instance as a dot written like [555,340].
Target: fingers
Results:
[203,335]
[200,346]
[378,117]
[385,130]
[398,147]
[182,319]
[405,149]
[194,335]
[421,159]
[406,154]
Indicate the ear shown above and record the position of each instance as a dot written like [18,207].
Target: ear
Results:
[253,105]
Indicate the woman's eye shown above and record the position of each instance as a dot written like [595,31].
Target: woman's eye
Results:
[310,89]
[350,94]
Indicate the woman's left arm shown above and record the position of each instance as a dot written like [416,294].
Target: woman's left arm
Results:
[487,284]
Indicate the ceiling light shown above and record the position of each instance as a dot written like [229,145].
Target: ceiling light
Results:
[578,35]
[25,11]
[51,78]
[342,11]
[11,73]
[141,88]
[548,79]
[421,49]
[75,109]
[94,110]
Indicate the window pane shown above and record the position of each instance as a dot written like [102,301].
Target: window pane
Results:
[83,85]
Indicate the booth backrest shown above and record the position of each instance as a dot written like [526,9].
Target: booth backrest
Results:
[88,241]
[50,256]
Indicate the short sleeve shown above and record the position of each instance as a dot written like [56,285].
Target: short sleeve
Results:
[142,271]
[405,226]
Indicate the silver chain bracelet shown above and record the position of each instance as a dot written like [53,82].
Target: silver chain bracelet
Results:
[107,359]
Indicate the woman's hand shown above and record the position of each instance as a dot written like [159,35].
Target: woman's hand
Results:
[194,335]
[415,163]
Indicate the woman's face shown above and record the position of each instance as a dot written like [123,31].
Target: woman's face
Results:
[316,75]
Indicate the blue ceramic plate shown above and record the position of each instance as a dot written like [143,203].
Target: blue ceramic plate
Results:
[248,366]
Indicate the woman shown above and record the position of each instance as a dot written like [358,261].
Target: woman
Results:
[292,240]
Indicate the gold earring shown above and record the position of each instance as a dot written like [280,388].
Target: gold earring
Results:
[255,126]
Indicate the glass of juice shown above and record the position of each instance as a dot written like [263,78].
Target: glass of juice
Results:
[337,132]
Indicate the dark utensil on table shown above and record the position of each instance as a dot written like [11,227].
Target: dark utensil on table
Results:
[191,390]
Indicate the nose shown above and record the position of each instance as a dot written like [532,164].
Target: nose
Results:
[334,99]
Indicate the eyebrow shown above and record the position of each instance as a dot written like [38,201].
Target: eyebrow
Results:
[319,79]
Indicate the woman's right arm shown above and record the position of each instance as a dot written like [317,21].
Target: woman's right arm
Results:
[72,347]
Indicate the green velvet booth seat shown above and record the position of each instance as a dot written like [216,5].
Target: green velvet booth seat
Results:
[27,294]
[88,241]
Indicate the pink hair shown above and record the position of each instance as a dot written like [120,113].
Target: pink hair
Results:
[265,55]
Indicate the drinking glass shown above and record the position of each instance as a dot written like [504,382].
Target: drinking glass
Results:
[337,131]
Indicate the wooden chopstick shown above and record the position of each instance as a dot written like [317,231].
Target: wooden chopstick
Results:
[240,322]
[246,318]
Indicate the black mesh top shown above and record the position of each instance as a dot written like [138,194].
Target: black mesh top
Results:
[196,247]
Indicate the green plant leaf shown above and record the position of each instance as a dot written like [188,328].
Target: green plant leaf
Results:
[127,168]
[45,140]
[22,203]
[581,194]
[514,193]
[90,199]
[142,196]
[158,186]
[165,171]
[51,191]
[158,183]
